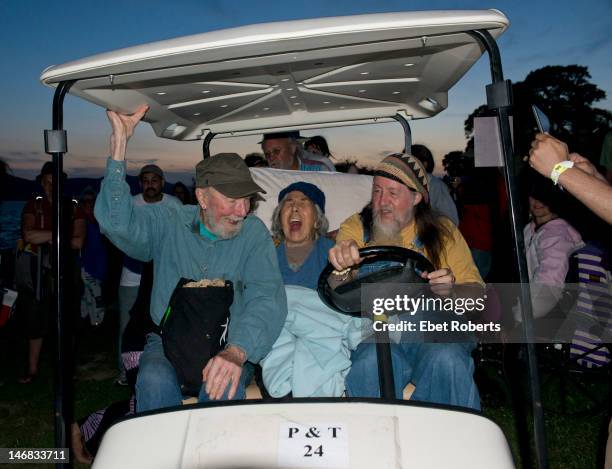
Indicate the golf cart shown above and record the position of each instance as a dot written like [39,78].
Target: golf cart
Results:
[294,76]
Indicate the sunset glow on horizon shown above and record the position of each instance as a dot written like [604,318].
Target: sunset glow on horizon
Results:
[67,30]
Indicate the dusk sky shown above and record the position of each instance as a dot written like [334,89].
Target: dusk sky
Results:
[37,34]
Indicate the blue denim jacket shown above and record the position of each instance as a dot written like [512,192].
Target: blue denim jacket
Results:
[170,237]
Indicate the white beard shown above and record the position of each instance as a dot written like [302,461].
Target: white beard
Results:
[219,229]
[385,234]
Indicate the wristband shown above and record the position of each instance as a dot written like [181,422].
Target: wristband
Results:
[559,169]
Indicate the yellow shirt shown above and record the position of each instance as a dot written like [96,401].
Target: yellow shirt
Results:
[456,255]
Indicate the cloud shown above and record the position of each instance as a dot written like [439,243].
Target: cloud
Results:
[218,6]
[575,52]
[21,159]
[595,45]
[142,162]
[24,154]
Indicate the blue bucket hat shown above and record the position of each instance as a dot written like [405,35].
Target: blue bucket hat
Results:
[311,191]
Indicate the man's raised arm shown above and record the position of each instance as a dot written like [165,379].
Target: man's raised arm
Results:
[123,126]
[127,228]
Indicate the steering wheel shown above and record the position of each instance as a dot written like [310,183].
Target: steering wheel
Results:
[346,297]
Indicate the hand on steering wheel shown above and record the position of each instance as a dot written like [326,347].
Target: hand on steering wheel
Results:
[406,267]
[345,254]
[441,281]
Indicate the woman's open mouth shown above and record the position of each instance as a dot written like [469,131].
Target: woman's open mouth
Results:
[295,225]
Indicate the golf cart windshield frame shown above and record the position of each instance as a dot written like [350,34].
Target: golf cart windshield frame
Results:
[498,99]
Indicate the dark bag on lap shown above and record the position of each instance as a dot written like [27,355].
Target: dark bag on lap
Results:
[194,329]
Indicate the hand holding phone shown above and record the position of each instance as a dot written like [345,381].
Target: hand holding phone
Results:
[541,119]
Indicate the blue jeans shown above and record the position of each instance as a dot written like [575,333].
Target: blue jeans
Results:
[157,385]
[441,373]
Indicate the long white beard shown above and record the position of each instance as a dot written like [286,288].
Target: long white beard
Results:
[388,234]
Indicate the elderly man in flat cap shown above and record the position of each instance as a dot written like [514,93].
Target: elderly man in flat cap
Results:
[151,179]
[400,215]
[217,239]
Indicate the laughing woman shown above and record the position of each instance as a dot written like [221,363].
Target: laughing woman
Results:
[300,225]
[311,357]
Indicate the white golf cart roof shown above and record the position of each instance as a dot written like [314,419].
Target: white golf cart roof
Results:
[287,75]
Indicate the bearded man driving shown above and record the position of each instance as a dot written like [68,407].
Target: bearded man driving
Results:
[400,214]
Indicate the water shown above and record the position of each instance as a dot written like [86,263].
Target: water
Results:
[10,223]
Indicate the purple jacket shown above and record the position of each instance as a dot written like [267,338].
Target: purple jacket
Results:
[548,250]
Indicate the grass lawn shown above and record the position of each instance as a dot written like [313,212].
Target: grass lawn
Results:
[26,411]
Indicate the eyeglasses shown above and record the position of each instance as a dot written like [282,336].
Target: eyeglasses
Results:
[274,152]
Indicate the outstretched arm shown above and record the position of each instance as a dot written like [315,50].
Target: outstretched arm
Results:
[591,191]
[582,181]
[130,229]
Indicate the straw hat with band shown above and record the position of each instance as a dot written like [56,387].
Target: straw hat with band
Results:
[407,170]
[229,174]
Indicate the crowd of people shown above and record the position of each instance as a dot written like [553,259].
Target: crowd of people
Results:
[173,243]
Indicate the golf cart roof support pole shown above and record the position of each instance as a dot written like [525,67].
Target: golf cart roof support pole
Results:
[407,132]
[206,145]
[499,97]
[385,369]
[56,145]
